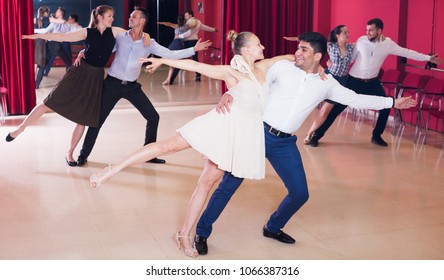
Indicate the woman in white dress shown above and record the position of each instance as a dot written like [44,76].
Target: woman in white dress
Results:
[231,142]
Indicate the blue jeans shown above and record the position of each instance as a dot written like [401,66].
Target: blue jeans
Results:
[285,158]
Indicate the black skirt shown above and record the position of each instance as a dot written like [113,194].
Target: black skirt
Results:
[77,96]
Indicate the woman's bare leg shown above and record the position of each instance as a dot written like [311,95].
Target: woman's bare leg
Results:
[35,114]
[320,119]
[210,175]
[170,146]
[75,139]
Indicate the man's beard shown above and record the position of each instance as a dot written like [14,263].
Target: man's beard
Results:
[372,39]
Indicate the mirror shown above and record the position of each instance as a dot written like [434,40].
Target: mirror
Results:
[164,10]
[82,8]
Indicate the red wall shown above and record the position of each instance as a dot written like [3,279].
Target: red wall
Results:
[212,16]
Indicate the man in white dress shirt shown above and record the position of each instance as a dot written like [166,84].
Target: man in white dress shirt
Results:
[295,90]
[369,55]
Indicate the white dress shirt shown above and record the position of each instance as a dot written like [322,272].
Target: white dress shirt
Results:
[294,94]
[371,55]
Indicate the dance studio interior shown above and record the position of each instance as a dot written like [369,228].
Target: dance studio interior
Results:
[366,201]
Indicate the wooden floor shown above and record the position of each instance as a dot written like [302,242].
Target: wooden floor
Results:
[366,202]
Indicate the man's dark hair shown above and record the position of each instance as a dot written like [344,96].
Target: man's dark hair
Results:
[143,12]
[317,41]
[377,22]
[190,12]
[74,17]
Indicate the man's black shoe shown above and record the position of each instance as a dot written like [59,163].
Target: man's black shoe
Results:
[314,141]
[280,236]
[200,243]
[377,140]
[156,160]
[81,160]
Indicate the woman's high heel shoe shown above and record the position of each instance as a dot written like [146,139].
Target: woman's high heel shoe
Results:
[166,82]
[190,251]
[98,178]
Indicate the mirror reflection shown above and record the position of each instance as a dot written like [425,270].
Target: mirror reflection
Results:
[205,92]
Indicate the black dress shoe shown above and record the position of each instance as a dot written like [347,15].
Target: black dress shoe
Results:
[71,163]
[9,138]
[156,160]
[314,141]
[377,140]
[280,236]
[81,161]
[200,243]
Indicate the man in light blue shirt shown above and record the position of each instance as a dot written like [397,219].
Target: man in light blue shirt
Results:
[121,81]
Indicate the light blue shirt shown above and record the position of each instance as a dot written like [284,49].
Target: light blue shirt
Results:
[126,64]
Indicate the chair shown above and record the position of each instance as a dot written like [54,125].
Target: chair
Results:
[3,103]
[410,86]
[390,81]
[214,55]
[431,102]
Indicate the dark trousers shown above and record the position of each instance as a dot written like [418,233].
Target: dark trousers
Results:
[187,44]
[39,77]
[369,88]
[61,50]
[285,158]
[113,91]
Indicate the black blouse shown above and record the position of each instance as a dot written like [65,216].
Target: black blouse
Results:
[99,47]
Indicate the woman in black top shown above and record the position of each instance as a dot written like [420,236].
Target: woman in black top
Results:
[77,96]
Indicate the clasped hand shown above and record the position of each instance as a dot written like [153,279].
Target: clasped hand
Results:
[154,64]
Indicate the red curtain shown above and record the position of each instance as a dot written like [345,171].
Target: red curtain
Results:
[270,21]
[17,55]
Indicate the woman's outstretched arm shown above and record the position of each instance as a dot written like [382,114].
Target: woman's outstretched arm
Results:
[76,36]
[220,72]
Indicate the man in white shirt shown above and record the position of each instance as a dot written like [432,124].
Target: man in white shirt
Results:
[369,55]
[295,90]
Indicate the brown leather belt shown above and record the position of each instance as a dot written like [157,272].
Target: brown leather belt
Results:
[366,80]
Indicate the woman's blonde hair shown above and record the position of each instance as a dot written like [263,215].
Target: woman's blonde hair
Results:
[40,12]
[238,40]
[100,10]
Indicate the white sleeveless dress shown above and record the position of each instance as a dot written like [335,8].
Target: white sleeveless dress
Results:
[234,141]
